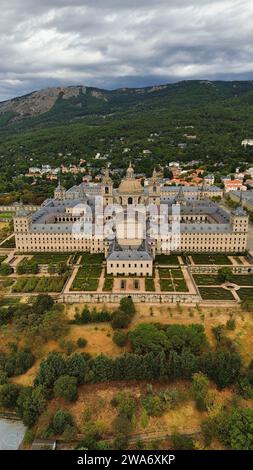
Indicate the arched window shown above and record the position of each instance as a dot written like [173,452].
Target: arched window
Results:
[106,190]
[130,200]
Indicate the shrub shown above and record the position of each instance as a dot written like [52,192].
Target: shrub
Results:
[120,338]
[181,442]
[81,342]
[230,325]
[66,387]
[199,388]
[154,405]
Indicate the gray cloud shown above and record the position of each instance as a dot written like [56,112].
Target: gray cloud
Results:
[110,43]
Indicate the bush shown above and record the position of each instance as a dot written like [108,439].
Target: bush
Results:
[61,420]
[81,342]
[230,325]
[120,338]
[66,387]
[154,405]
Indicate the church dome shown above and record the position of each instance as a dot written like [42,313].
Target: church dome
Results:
[130,187]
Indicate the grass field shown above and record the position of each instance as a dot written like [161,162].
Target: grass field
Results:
[212,258]
[39,284]
[215,293]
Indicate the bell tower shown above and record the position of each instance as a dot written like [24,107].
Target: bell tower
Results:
[107,188]
[154,190]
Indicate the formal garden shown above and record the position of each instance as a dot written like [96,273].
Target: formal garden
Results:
[40,284]
[172,280]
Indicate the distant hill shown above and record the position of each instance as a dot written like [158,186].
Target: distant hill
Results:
[62,105]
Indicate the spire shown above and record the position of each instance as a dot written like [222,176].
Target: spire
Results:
[202,188]
[180,197]
[130,171]
[154,176]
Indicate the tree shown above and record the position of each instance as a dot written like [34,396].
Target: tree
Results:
[127,306]
[147,337]
[61,420]
[66,387]
[31,403]
[120,320]
[120,338]
[241,429]
[222,366]
[54,325]
[199,388]
[9,395]
[43,303]
[51,369]
[225,274]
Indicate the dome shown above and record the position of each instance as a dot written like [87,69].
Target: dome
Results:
[132,186]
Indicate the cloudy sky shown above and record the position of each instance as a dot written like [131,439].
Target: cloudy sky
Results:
[114,43]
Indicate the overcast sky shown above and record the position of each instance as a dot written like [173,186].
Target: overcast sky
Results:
[114,43]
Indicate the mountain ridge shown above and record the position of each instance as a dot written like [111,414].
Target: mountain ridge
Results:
[62,104]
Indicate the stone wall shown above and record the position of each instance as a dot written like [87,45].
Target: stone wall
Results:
[150,298]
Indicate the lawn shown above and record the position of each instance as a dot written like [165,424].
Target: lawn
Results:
[40,284]
[167,259]
[215,293]
[149,284]
[2,258]
[210,258]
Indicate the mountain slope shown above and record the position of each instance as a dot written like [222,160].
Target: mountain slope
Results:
[62,105]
